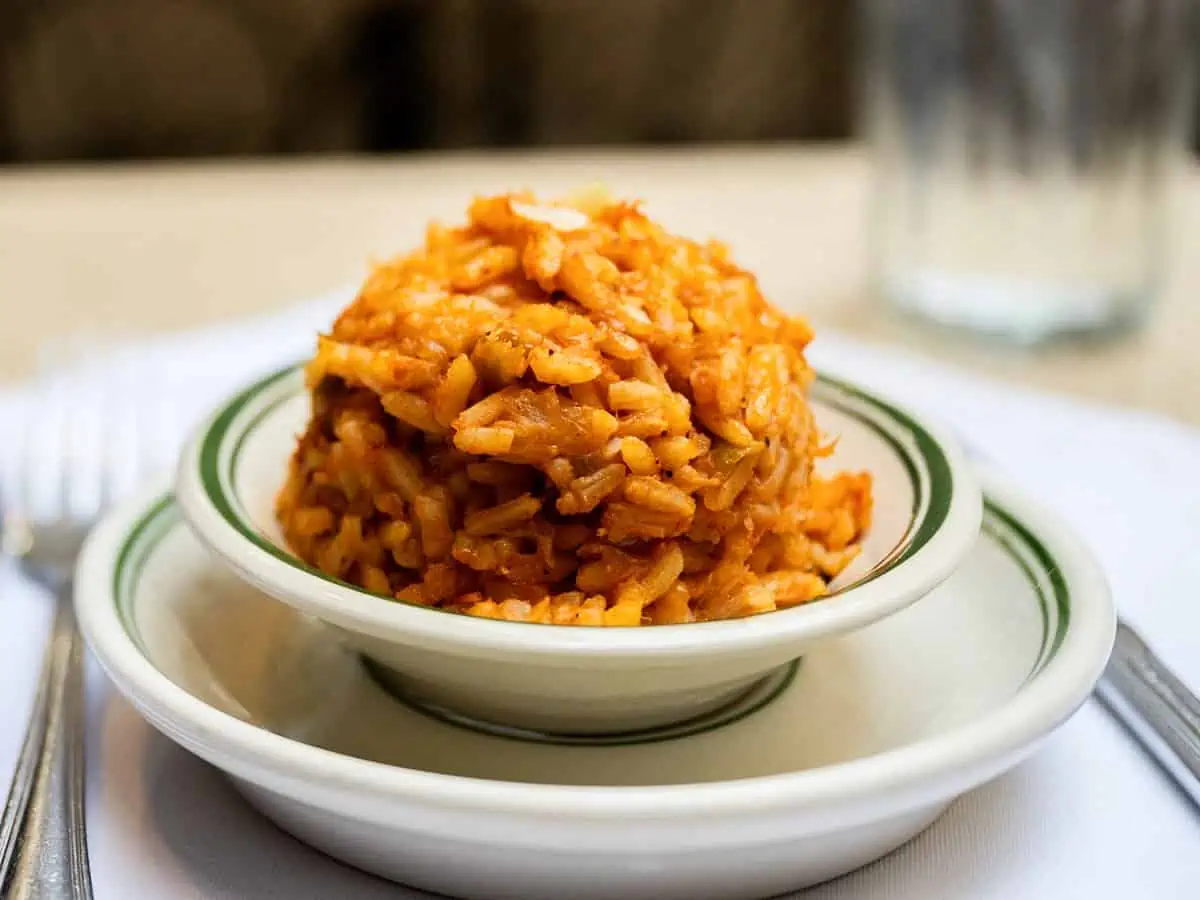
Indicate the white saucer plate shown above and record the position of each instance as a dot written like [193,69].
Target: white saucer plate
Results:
[822,767]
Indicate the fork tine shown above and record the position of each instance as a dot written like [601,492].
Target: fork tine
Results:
[104,490]
[109,448]
[69,446]
[121,431]
[82,471]
[14,449]
[59,454]
[45,450]
[135,459]
[163,417]
[75,402]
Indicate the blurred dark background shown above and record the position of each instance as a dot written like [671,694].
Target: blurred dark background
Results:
[104,79]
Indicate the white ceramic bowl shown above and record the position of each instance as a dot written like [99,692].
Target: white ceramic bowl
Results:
[586,680]
[877,732]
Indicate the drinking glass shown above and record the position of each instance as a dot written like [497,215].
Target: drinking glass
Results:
[1022,152]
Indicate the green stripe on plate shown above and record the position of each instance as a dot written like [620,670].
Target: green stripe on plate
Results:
[1025,549]
[1039,559]
[141,541]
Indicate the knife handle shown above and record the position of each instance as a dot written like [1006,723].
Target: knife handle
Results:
[1158,709]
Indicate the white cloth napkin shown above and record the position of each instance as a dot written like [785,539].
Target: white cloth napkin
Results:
[1089,815]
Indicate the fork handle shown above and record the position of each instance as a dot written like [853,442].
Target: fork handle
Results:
[43,847]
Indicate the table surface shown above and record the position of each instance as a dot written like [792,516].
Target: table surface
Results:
[135,249]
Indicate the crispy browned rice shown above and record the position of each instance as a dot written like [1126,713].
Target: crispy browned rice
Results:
[562,413]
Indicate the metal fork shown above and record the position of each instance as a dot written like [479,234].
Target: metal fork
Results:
[61,482]
[43,844]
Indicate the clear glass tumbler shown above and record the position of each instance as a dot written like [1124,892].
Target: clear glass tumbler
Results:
[1022,152]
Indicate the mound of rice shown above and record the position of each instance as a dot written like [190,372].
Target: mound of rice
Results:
[561,413]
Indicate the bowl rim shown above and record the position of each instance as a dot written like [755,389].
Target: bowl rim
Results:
[957,758]
[884,590]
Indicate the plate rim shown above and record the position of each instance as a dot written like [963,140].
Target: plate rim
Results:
[919,568]
[962,756]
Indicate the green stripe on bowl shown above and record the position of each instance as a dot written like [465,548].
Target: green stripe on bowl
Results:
[938,470]
[924,461]
[932,486]
[1025,549]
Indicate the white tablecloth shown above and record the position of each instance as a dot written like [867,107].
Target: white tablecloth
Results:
[1088,816]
